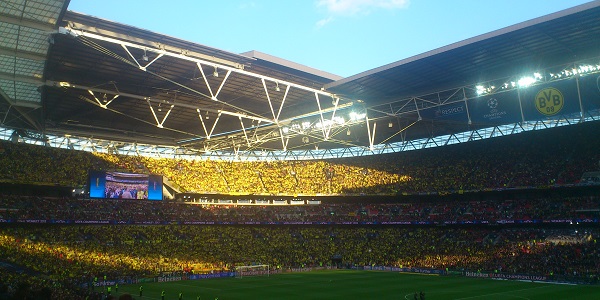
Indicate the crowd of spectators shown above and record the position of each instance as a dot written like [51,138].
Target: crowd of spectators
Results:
[31,164]
[576,208]
[60,259]
[555,156]
[73,255]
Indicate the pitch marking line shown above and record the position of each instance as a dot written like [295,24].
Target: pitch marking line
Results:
[500,293]
[198,287]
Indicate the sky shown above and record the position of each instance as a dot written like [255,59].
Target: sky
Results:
[343,37]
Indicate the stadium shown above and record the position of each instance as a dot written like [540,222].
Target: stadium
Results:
[135,165]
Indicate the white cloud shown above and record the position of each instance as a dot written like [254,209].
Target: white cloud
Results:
[352,7]
[323,22]
[247,5]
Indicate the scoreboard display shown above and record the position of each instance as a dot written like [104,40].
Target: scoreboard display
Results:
[120,185]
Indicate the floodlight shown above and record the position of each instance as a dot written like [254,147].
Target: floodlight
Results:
[339,120]
[479,89]
[356,116]
[526,81]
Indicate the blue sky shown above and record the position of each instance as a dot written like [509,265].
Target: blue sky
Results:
[343,37]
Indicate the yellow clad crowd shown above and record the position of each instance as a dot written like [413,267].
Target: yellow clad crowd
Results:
[58,260]
[533,159]
[72,255]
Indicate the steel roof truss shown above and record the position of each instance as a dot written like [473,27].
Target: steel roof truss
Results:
[244,130]
[284,141]
[371,136]
[104,105]
[321,116]
[335,106]
[143,68]
[158,124]
[275,116]
[215,95]
[326,128]
[287,89]
[240,70]
[6,114]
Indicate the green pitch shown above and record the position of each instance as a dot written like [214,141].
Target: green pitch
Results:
[342,284]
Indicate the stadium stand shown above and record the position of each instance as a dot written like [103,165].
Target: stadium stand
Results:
[509,205]
[73,255]
[512,205]
[533,159]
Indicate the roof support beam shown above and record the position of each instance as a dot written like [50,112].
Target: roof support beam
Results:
[147,43]
[159,124]
[28,23]
[183,56]
[21,78]
[213,96]
[144,98]
[25,115]
[22,54]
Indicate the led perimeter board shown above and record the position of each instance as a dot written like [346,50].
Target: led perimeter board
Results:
[119,185]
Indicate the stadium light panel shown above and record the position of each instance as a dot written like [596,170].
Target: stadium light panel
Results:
[145,56]
[526,81]
[339,120]
[479,89]
[354,116]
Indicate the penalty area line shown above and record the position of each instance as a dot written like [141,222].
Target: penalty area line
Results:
[506,292]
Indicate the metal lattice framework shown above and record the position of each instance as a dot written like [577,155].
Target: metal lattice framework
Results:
[26,28]
[254,130]
[76,81]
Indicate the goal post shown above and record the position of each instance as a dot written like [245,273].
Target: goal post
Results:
[255,270]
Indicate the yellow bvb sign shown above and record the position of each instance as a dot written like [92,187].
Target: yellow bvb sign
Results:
[549,101]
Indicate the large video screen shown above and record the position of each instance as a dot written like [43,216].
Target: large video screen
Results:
[119,185]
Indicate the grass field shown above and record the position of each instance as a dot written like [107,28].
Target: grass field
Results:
[343,284]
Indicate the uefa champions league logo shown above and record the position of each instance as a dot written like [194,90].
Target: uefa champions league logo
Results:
[492,103]
[494,114]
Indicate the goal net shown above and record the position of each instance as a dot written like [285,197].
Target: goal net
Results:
[256,270]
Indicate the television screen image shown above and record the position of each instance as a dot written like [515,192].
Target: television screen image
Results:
[126,186]
[120,185]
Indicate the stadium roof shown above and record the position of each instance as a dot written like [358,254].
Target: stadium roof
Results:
[65,73]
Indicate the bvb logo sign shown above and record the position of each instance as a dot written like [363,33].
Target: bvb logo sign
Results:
[549,101]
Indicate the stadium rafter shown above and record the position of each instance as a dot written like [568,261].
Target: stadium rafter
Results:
[258,125]
[114,84]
